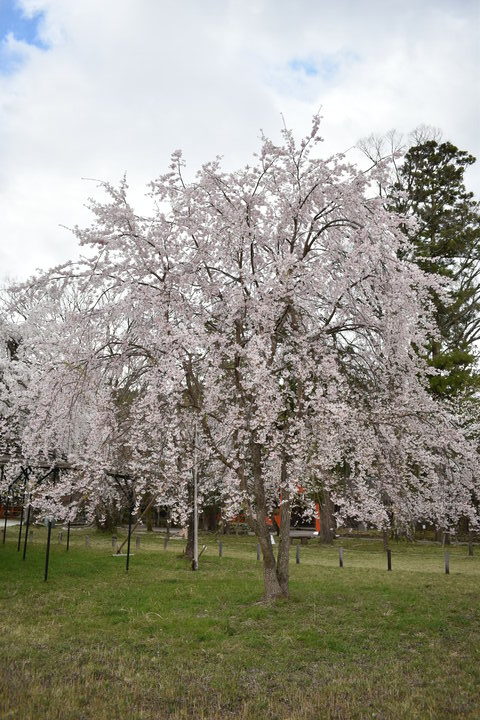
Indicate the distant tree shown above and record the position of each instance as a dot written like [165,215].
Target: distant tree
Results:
[445,241]
[426,184]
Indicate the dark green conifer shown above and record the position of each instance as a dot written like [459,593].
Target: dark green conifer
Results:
[446,241]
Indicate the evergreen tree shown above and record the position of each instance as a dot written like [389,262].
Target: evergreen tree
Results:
[446,241]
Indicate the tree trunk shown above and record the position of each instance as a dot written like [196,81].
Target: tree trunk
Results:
[190,538]
[149,519]
[209,518]
[273,588]
[385,539]
[463,528]
[327,521]
[283,558]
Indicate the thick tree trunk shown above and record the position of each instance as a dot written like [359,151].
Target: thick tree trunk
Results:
[283,558]
[273,587]
[327,521]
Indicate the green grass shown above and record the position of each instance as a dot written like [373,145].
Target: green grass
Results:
[163,643]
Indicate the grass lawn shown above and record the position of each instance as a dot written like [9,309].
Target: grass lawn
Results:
[164,643]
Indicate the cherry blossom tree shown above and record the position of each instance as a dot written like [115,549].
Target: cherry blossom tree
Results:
[270,309]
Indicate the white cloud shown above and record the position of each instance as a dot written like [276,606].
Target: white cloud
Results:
[125,82]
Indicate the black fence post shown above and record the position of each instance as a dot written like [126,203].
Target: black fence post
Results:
[68,537]
[23,508]
[20,531]
[47,556]
[389,559]
[5,523]
[27,525]
[129,538]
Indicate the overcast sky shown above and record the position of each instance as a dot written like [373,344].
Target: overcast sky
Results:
[94,88]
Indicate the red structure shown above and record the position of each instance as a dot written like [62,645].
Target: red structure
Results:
[315,525]
[12,510]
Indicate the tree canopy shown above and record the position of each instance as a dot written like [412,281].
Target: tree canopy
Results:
[446,241]
[273,312]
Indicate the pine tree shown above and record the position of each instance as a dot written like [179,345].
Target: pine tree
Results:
[446,241]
